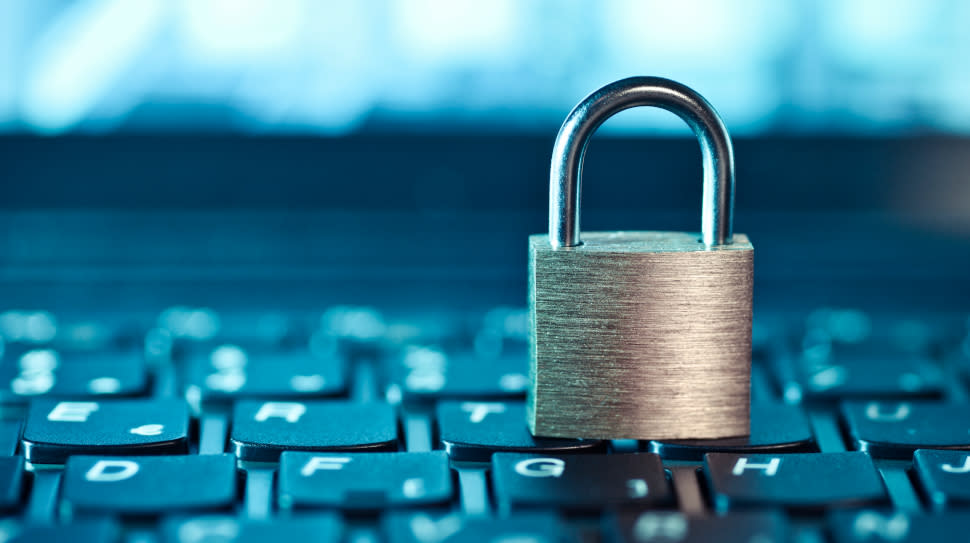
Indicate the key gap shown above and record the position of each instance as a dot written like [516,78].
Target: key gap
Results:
[259,493]
[899,486]
[364,386]
[417,432]
[761,386]
[163,380]
[687,488]
[473,487]
[213,430]
[828,435]
[42,505]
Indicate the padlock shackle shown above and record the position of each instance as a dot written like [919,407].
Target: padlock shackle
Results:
[565,174]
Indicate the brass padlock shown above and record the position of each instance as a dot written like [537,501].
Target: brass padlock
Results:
[640,335]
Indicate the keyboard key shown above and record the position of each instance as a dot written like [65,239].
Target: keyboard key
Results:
[579,482]
[426,373]
[775,428]
[839,325]
[79,375]
[510,324]
[440,327]
[357,330]
[668,527]
[57,430]
[455,528]
[794,481]
[228,371]
[945,477]
[100,334]
[319,528]
[472,431]
[872,376]
[11,482]
[39,329]
[363,481]
[28,327]
[895,430]
[843,354]
[898,527]
[149,485]
[190,324]
[262,430]
[102,530]
[261,329]
[846,332]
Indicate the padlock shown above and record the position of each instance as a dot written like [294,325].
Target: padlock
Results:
[640,335]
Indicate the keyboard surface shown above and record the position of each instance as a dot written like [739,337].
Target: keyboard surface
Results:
[193,424]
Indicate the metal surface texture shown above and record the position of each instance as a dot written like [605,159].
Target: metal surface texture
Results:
[640,335]
[570,147]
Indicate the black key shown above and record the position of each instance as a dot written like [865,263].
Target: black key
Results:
[11,481]
[669,527]
[472,431]
[102,530]
[870,376]
[363,481]
[101,334]
[847,332]
[149,485]
[357,330]
[533,527]
[945,477]
[898,527]
[262,430]
[39,329]
[318,528]
[795,481]
[895,430]
[228,371]
[842,326]
[190,324]
[30,327]
[775,428]
[204,329]
[579,482]
[426,373]
[445,329]
[503,330]
[79,375]
[57,430]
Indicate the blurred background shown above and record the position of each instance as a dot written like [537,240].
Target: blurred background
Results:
[362,151]
[303,66]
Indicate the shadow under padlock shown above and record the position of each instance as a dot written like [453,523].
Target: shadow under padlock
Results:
[640,335]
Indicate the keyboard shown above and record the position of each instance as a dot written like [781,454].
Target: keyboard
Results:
[200,425]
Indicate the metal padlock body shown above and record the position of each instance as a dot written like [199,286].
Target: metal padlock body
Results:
[640,335]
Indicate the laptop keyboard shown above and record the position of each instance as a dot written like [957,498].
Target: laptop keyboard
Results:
[196,426]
